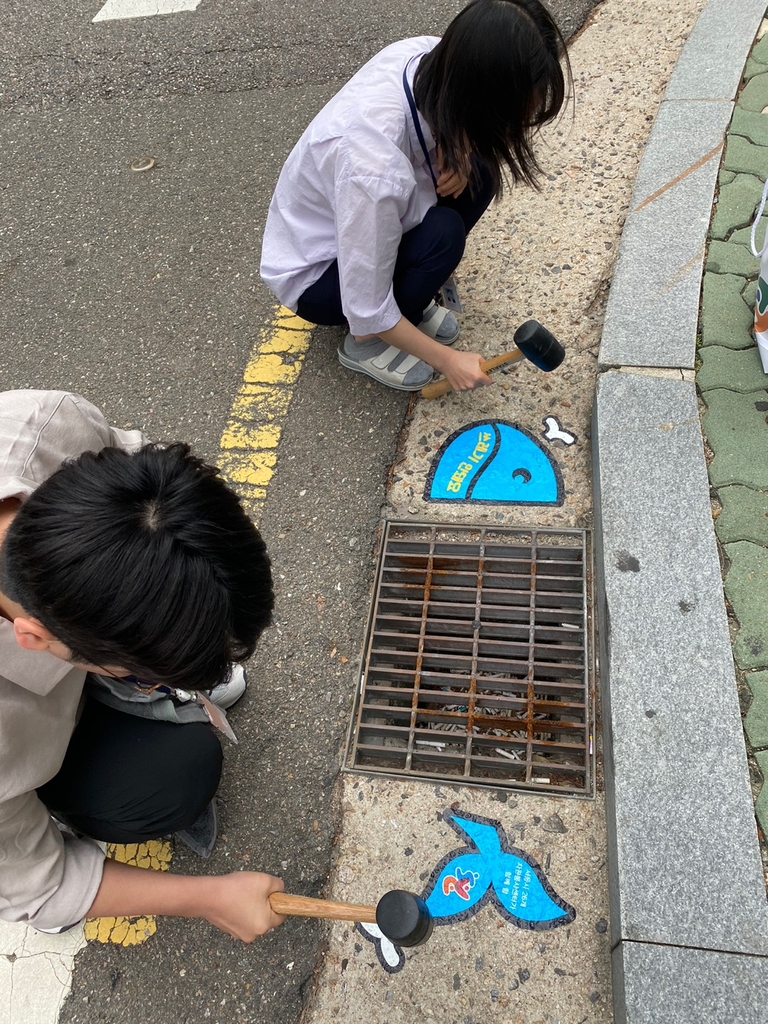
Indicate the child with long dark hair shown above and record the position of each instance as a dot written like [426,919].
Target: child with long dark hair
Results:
[373,206]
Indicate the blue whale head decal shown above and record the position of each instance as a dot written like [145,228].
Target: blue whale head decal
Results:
[494,461]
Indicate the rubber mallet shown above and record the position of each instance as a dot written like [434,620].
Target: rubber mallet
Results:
[402,916]
[534,343]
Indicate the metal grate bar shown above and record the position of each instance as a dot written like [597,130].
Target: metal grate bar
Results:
[477,663]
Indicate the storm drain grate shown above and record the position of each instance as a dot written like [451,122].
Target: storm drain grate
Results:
[477,660]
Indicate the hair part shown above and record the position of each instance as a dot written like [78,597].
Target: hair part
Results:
[491,82]
[146,560]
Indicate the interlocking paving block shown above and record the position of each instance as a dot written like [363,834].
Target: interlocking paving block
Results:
[734,369]
[745,157]
[742,236]
[754,95]
[726,319]
[729,258]
[756,720]
[712,59]
[736,428]
[752,126]
[684,862]
[761,804]
[663,985]
[737,202]
[746,586]
[654,300]
[759,52]
[744,515]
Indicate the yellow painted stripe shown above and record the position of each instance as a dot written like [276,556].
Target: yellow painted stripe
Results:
[248,459]
[249,443]
[130,931]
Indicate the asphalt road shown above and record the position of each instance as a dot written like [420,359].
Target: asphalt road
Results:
[141,292]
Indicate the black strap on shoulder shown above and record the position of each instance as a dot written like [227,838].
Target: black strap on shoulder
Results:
[417,124]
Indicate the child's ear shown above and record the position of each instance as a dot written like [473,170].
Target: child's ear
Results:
[31,634]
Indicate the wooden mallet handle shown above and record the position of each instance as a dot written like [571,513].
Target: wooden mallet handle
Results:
[305,906]
[441,387]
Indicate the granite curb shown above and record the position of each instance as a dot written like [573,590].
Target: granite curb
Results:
[687,891]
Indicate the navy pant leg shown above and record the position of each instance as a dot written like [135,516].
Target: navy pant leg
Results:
[427,256]
[126,779]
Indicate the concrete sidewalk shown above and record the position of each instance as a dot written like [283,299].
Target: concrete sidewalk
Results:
[684,887]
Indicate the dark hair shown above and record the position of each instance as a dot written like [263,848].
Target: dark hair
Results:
[492,80]
[144,560]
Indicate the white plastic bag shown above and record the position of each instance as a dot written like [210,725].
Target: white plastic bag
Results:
[761,298]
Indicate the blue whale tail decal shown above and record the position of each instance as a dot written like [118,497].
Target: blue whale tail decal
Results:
[489,870]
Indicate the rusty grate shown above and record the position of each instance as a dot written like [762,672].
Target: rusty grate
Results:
[477,665]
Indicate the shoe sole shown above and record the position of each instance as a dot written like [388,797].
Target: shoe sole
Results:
[351,364]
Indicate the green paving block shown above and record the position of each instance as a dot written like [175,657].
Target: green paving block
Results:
[745,157]
[746,586]
[744,515]
[738,434]
[730,258]
[761,804]
[751,125]
[760,51]
[725,178]
[756,722]
[749,293]
[734,369]
[726,319]
[737,204]
[742,237]
[754,95]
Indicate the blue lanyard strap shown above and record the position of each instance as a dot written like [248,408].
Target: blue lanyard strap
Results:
[417,125]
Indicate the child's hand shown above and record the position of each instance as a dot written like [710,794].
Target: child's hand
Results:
[463,371]
[239,904]
[449,183]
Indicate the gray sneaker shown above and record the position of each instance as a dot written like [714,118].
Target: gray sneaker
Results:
[202,834]
[385,363]
[439,323]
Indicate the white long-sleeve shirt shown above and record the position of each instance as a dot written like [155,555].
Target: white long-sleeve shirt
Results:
[355,182]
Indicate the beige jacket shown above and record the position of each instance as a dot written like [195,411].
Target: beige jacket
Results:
[45,879]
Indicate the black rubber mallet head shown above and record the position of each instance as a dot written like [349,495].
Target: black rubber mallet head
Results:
[402,916]
[534,343]
[539,346]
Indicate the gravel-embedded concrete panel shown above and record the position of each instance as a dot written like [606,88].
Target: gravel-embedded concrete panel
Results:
[651,317]
[685,863]
[689,986]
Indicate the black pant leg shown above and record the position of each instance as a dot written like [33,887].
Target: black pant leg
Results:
[126,779]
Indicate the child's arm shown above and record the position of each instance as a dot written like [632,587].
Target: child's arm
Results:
[237,904]
[462,369]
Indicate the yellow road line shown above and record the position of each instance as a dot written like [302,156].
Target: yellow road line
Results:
[249,443]
[130,931]
[248,458]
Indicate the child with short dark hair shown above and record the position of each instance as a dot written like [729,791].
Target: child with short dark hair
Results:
[374,204]
[133,568]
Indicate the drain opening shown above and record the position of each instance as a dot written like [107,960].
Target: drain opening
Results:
[477,659]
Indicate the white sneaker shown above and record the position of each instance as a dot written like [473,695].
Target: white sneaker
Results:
[231,690]
[225,694]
